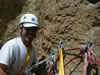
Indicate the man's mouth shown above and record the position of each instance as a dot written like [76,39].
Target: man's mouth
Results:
[30,36]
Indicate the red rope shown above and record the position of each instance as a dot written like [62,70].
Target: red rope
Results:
[73,49]
[88,59]
[53,64]
[69,60]
[73,57]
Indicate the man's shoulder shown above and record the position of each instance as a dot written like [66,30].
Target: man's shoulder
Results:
[12,42]
[11,45]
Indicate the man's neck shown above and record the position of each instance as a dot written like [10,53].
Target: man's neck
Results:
[26,43]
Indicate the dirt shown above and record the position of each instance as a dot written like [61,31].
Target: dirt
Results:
[73,21]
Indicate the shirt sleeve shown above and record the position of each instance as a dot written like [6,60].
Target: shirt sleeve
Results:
[6,54]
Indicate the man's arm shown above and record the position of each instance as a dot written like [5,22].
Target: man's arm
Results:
[3,69]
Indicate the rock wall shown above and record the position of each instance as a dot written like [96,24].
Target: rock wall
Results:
[9,10]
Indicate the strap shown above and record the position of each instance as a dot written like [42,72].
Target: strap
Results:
[26,61]
[61,64]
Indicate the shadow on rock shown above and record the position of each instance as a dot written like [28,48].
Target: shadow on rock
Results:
[92,70]
[94,1]
[42,67]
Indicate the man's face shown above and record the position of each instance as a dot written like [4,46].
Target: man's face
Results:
[29,33]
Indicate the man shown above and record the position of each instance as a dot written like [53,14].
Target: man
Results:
[15,52]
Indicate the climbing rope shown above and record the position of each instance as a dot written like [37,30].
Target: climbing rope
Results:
[36,65]
[88,58]
[55,56]
[73,57]
[88,54]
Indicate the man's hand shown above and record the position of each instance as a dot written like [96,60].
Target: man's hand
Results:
[3,69]
[33,74]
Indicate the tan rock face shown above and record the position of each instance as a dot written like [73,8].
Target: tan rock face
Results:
[10,9]
[74,21]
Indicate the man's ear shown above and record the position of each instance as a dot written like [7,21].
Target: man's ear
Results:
[20,28]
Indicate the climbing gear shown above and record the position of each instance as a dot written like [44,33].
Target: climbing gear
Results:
[29,20]
[88,57]
[61,63]
[73,57]
[58,55]
[89,62]
[36,65]
[26,60]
